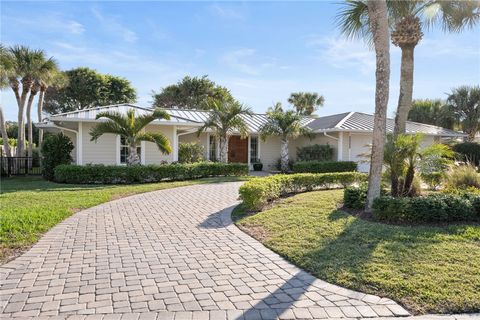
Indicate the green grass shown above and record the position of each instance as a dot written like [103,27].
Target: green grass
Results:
[427,269]
[30,206]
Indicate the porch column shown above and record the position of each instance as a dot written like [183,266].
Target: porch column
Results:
[175,144]
[80,144]
[340,147]
[208,147]
[248,151]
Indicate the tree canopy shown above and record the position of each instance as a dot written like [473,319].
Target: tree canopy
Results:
[434,112]
[190,93]
[86,88]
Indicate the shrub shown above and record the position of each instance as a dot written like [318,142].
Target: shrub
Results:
[324,166]
[433,179]
[93,174]
[355,197]
[468,152]
[258,192]
[190,152]
[432,208]
[316,152]
[463,177]
[278,164]
[56,150]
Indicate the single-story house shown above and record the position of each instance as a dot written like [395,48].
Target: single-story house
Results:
[349,134]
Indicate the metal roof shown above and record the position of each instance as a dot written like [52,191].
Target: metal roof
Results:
[351,121]
[363,122]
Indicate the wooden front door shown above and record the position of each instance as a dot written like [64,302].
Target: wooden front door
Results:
[238,149]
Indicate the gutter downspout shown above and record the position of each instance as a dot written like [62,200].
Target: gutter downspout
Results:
[329,136]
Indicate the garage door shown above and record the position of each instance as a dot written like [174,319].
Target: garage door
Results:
[360,145]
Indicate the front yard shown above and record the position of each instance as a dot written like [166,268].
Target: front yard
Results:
[427,269]
[30,206]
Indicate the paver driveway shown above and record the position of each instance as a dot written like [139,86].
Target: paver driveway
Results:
[169,254]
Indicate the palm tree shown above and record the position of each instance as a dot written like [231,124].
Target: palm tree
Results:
[377,13]
[306,103]
[406,19]
[285,124]
[464,103]
[225,118]
[27,65]
[51,78]
[434,112]
[131,128]
[5,73]
[44,69]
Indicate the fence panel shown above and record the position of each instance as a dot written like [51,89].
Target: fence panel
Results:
[14,166]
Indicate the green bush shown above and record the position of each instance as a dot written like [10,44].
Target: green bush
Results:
[316,152]
[434,208]
[355,197]
[468,152]
[93,174]
[278,164]
[258,192]
[190,152]
[56,150]
[324,166]
[463,177]
[433,179]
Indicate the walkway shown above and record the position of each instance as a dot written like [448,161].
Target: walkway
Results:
[170,254]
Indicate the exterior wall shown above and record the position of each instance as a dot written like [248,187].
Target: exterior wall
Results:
[318,139]
[104,151]
[269,152]
[72,137]
[151,152]
[194,138]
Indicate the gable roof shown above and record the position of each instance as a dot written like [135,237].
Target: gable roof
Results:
[363,122]
[348,121]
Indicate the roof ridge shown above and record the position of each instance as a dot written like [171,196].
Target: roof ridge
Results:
[341,122]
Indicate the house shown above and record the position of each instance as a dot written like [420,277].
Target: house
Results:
[349,134]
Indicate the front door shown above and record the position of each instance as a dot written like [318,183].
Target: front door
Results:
[237,149]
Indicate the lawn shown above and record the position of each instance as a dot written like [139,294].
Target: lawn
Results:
[30,206]
[427,269]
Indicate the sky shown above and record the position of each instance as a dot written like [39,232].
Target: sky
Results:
[261,51]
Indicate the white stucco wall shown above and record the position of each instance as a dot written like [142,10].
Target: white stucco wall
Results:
[152,154]
[101,152]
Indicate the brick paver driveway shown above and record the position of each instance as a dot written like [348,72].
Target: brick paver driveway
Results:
[170,254]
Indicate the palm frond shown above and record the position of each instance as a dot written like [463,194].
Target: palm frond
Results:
[114,116]
[143,120]
[159,139]
[106,127]
[353,22]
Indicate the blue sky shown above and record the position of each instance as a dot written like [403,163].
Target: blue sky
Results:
[261,51]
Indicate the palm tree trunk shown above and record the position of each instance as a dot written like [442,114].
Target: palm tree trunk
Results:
[133,158]
[377,11]
[223,146]
[41,98]
[3,129]
[21,119]
[29,122]
[406,90]
[284,155]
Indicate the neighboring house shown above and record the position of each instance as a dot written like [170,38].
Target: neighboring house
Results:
[349,134]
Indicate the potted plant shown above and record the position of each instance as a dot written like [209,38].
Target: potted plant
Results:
[257,165]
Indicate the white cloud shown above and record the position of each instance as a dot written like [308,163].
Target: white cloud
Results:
[112,24]
[75,27]
[227,12]
[47,22]
[236,59]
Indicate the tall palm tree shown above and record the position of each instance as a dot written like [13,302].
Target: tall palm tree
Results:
[306,103]
[377,13]
[406,19]
[285,124]
[225,118]
[5,73]
[464,103]
[26,66]
[131,127]
[44,69]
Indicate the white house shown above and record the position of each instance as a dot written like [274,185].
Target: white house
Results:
[349,134]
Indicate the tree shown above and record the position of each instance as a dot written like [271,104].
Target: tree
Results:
[434,112]
[464,102]
[285,124]
[377,13]
[190,93]
[26,66]
[131,127]
[406,19]
[306,103]
[225,118]
[87,88]
[5,73]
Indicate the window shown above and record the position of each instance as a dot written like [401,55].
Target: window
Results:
[212,149]
[125,151]
[254,149]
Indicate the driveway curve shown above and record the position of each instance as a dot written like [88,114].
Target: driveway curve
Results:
[169,254]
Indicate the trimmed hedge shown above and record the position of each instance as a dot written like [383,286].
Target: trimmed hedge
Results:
[102,174]
[258,192]
[315,152]
[428,209]
[324,166]
[355,197]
